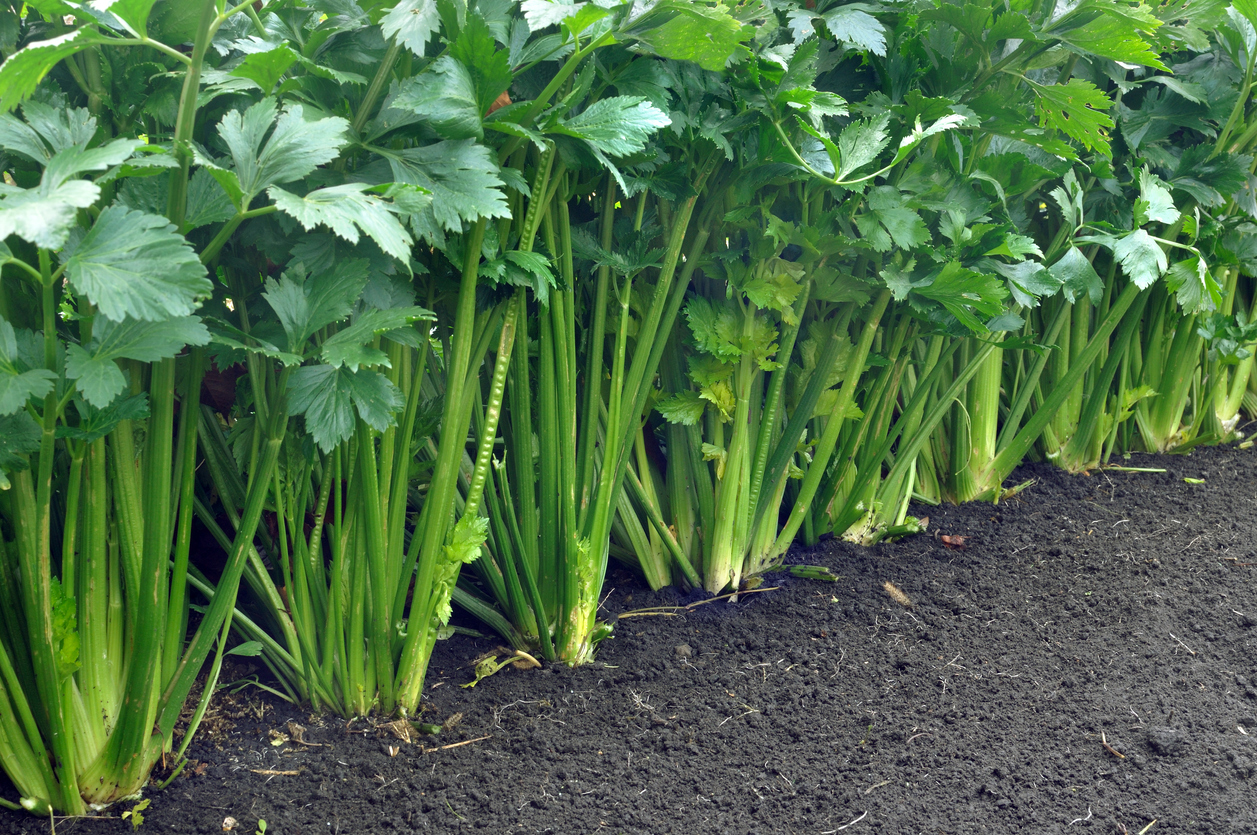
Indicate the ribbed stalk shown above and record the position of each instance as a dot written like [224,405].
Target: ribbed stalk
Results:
[435,518]
[1081,451]
[825,446]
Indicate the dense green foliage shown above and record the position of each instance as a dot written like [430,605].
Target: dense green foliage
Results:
[367,292]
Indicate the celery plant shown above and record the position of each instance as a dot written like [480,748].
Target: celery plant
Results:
[99,404]
[347,609]
[550,512]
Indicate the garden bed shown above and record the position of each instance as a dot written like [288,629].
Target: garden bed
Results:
[1087,661]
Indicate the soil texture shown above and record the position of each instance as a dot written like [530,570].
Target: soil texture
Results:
[1085,660]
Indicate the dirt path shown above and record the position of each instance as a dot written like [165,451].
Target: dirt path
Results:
[1087,662]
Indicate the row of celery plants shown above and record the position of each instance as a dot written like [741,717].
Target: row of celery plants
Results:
[530,288]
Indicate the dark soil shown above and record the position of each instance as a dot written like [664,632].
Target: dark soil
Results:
[1087,662]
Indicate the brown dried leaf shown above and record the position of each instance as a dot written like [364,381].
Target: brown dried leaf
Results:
[501,101]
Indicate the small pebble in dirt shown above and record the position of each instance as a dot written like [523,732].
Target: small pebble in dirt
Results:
[1165,741]
[684,651]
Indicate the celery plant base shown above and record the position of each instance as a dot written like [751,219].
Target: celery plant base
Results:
[776,651]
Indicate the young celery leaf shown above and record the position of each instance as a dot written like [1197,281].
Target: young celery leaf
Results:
[462,177]
[465,539]
[18,137]
[860,143]
[328,398]
[615,127]
[685,31]
[1229,337]
[618,126]
[303,305]
[1077,109]
[132,264]
[412,23]
[347,210]
[94,368]
[19,436]
[1028,281]
[133,13]
[1194,286]
[17,386]
[295,148]
[65,634]
[1115,38]
[890,220]
[853,26]
[1141,257]
[207,202]
[348,346]
[971,297]
[717,328]
[1155,202]
[60,128]
[684,407]
[97,423]
[522,269]
[444,95]
[45,215]
[21,73]
[488,66]
[777,290]
[542,14]
[1077,276]
[266,68]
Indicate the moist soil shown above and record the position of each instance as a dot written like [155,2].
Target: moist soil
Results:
[1086,660]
